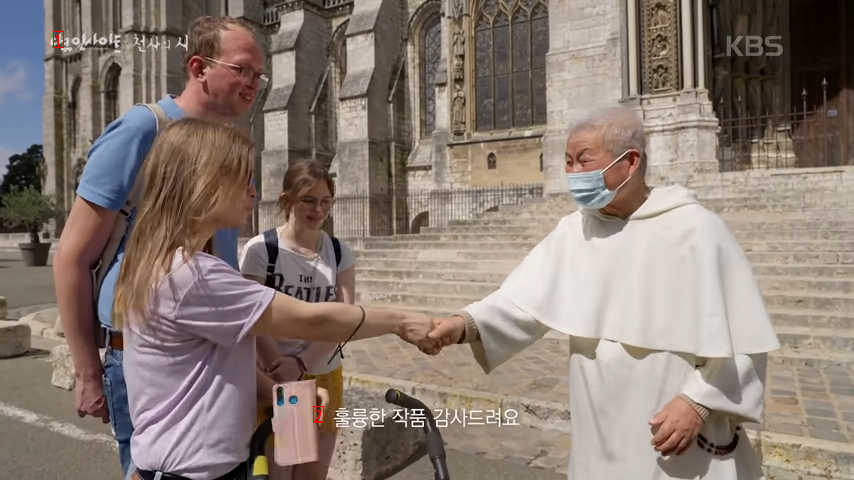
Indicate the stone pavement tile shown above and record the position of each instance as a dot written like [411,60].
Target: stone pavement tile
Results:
[801,401]
[810,402]
[540,372]
[517,444]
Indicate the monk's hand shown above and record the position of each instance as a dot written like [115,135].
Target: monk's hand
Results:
[675,427]
[449,331]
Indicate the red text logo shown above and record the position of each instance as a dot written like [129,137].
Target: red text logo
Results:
[57,39]
[319,413]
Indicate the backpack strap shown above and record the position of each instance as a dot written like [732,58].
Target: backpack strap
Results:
[336,245]
[271,241]
[121,226]
[138,185]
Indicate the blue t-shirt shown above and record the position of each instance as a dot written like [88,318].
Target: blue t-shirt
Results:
[114,162]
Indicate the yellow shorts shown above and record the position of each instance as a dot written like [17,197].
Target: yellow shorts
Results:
[333,382]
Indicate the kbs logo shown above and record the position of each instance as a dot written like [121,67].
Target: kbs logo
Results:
[754,46]
[57,39]
[319,413]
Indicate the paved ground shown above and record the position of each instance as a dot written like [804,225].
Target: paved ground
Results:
[23,286]
[811,402]
[803,401]
[44,440]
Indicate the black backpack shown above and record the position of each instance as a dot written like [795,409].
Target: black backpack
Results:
[271,241]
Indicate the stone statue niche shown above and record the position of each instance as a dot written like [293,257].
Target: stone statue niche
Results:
[42,171]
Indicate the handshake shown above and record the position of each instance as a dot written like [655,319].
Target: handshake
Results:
[430,335]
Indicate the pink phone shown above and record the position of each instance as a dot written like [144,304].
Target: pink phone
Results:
[294,429]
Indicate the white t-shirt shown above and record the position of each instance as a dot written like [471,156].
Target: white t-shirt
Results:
[310,279]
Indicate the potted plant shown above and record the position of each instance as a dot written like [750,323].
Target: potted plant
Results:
[31,209]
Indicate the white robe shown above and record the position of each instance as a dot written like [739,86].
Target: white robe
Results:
[657,305]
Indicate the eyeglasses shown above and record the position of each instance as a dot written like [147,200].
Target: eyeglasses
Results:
[245,73]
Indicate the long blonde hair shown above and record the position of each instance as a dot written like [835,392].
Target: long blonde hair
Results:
[192,172]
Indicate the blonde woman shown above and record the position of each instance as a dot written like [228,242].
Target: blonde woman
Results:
[190,320]
[301,260]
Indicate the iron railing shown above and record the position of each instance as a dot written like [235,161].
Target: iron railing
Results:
[388,214]
[806,137]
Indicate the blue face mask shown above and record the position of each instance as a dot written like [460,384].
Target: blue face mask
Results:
[588,188]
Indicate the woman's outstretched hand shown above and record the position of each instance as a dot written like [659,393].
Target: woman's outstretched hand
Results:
[415,328]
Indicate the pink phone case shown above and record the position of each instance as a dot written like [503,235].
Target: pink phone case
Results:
[294,429]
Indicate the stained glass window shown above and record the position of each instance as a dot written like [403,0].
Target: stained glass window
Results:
[511,39]
[431,56]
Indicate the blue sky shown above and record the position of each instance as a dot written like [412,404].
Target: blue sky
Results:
[23,38]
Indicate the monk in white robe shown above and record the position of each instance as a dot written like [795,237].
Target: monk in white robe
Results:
[668,330]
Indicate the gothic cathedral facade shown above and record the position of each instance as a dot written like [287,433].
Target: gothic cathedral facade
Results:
[403,95]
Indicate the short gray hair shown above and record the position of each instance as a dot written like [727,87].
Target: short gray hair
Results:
[621,129]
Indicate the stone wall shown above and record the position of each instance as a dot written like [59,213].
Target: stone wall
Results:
[348,82]
[584,70]
[515,161]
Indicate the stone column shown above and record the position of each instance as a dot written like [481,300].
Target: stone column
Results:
[632,41]
[700,8]
[581,72]
[680,121]
[374,43]
[686,26]
[455,16]
[296,67]
[89,99]
[53,114]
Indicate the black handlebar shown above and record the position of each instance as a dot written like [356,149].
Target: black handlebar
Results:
[435,445]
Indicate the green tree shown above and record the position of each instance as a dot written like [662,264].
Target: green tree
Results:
[23,171]
[28,208]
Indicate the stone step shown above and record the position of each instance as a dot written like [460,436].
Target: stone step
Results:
[795,270]
[812,358]
[440,255]
[384,243]
[798,282]
[783,317]
[803,199]
[444,294]
[811,342]
[834,286]
[829,302]
[810,258]
[549,220]
[389,243]
[437,275]
[427,266]
[800,197]
[834,246]
[736,226]
[797,176]
[805,338]
[471,290]
[521,234]
[830,292]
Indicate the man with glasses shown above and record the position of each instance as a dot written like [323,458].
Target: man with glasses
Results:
[223,63]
